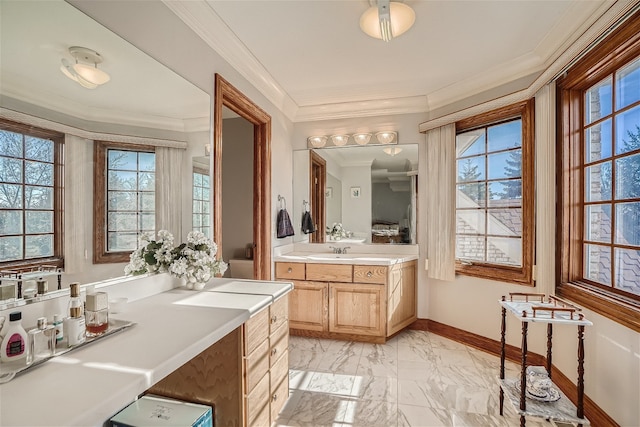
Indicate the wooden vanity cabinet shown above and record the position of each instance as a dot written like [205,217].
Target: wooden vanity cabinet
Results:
[367,302]
[266,364]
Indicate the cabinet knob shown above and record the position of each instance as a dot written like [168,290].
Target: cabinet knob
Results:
[289,270]
[274,351]
[274,319]
[274,397]
[369,274]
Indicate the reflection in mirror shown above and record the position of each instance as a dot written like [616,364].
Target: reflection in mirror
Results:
[369,194]
[131,107]
[201,195]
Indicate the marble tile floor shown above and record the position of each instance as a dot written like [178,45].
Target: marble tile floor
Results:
[415,379]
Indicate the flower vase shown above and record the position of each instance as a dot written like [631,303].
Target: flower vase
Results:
[198,286]
[187,284]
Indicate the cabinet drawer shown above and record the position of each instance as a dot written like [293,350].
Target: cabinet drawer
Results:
[256,365]
[262,419]
[330,272]
[370,274]
[279,314]
[257,400]
[279,397]
[290,270]
[256,331]
[279,370]
[279,343]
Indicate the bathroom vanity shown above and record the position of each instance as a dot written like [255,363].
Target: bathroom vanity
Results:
[195,346]
[360,297]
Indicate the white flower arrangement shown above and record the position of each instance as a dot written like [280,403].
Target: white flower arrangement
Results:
[337,231]
[152,255]
[194,261]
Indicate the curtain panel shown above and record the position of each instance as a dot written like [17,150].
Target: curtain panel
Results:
[441,202]
[169,170]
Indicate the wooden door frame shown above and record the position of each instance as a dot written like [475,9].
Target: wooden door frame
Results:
[226,95]
[318,201]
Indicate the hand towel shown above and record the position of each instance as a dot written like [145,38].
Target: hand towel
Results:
[307,223]
[285,229]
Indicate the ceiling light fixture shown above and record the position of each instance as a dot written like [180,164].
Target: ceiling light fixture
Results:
[386,137]
[82,72]
[387,19]
[362,138]
[392,151]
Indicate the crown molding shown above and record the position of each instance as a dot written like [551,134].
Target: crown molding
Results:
[368,108]
[206,23]
[16,116]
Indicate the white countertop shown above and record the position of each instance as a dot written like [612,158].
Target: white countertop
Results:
[89,385]
[348,258]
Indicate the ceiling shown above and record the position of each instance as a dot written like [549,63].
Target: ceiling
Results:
[315,52]
[308,57]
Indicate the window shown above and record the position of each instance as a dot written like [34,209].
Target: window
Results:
[30,196]
[494,194]
[124,199]
[599,189]
[201,189]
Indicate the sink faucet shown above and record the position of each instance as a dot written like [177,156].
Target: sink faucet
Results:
[339,250]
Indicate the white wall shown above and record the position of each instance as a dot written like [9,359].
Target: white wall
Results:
[356,211]
[334,203]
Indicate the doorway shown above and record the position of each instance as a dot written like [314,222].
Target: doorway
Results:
[318,186]
[226,95]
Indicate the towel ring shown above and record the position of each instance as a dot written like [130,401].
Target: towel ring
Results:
[305,205]
[283,202]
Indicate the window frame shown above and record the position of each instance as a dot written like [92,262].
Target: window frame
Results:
[57,259]
[100,254]
[204,172]
[621,47]
[519,275]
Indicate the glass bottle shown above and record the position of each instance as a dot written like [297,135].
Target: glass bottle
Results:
[42,341]
[74,325]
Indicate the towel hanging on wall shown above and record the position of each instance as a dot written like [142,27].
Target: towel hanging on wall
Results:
[285,229]
[307,222]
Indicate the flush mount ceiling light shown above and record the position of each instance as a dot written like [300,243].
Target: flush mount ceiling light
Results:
[85,71]
[339,140]
[362,138]
[387,19]
[317,141]
[385,137]
[392,151]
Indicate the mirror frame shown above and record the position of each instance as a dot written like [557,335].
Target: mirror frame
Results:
[226,95]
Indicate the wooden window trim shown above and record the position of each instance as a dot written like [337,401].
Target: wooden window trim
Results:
[620,47]
[519,275]
[57,259]
[100,255]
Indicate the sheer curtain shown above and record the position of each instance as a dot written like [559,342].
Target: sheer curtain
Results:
[441,202]
[545,189]
[169,176]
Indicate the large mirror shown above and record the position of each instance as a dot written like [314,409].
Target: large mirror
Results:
[143,100]
[368,192]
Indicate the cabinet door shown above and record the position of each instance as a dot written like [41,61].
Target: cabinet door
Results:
[402,297]
[356,308]
[308,306]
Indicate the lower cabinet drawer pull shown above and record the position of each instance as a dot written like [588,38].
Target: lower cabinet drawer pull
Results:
[275,397]
[274,351]
[289,270]
[369,274]
[274,319]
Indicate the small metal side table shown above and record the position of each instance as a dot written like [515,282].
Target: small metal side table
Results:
[536,308]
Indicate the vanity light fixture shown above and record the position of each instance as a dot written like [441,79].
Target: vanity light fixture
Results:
[392,151]
[82,72]
[317,141]
[362,138]
[386,19]
[386,137]
[339,140]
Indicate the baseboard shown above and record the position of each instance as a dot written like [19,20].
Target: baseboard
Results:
[592,412]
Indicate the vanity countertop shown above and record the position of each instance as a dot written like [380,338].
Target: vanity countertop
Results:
[348,258]
[91,384]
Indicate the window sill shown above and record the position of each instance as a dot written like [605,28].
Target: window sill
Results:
[623,311]
[513,275]
[32,264]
